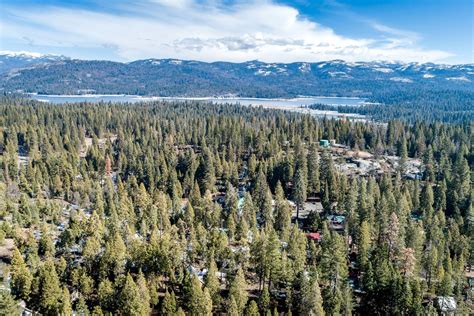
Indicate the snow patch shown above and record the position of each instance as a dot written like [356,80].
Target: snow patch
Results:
[154,61]
[29,56]
[384,70]
[305,67]
[22,54]
[339,74]
[401,79]
[461,78]
[262,72]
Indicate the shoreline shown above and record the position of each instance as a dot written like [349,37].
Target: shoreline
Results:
[298,98]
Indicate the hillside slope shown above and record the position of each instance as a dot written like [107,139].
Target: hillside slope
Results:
[171,77]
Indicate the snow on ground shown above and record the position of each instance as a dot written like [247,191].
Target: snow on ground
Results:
[461,78]
[384,70]
[401,79]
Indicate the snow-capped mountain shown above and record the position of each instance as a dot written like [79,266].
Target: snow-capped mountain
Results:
[10,60]
[171,77]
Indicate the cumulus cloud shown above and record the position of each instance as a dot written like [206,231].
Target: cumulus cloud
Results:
[246,42]
[209,31]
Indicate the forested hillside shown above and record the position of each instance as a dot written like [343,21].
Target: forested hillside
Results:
[172,77]
[193,208]
[414,106]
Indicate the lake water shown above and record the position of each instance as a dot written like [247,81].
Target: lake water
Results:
[295,102]
[294,105]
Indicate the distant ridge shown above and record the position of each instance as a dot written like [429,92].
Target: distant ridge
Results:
[51,74]
[10,60]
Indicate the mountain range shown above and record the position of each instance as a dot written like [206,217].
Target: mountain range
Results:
[52,74]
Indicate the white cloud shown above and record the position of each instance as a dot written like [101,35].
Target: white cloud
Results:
[173,3]
[393,31]
[208,31]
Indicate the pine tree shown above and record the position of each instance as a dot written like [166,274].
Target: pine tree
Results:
[363,245]
[347,304]
[403,154]
[426,202]
[208,171]
[408,262]
[66,308]
[272,255]
[105,294]
[267,209]
[313,170]
[299,192]
[264,299]
[238,290]
[144,293]
[393,236]
[8,306]
[21,278]
[212,283]
[312,301]
[200,303]
[329,177]
[260,191]
[50,292]
[232,309]
[113,259]
[130,301]
[252,309]
[297,249]
[81,307]
[283,212]
[168,305]
[97,311]
[207,302]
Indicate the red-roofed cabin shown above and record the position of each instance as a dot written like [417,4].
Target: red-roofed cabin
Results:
[314,236]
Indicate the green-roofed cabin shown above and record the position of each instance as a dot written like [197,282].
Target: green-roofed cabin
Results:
[324,143]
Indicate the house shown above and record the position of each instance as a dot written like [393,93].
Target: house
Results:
[470,281]
[219,197]
[336,222]
[416,217]
[314,236]
[324,143]
[313,199]
[200,274]
[310,207]
[413,175]
[446,305]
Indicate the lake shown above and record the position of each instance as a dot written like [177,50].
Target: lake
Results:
[295,102]
[294,105]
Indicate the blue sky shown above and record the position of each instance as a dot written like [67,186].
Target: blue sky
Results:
[231,30]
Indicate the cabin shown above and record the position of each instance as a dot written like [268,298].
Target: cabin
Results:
[314,236]
[324,143]
[470,282]
[336,222]
[446,305]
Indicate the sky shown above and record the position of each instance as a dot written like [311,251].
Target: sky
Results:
[240,30]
